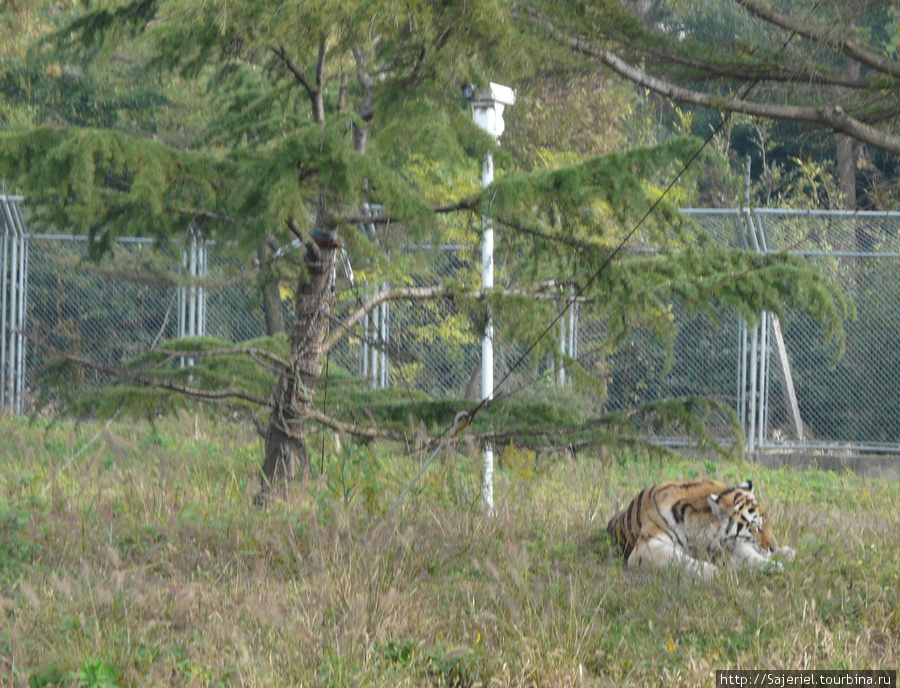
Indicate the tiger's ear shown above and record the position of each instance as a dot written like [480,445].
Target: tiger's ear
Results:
[713,501]
[747,485]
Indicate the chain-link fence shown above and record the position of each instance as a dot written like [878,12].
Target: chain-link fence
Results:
[853,399]
[784,380]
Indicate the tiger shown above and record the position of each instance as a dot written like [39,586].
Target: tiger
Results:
[692,523]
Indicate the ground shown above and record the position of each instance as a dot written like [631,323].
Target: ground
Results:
[130,555]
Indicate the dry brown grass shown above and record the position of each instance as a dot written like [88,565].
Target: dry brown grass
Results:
[143,556]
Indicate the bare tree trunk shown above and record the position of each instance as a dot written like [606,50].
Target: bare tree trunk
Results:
[846,171]
[286,455]
[846,160]
[270,293]
[472,392]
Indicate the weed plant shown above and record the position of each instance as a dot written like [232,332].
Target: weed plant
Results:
[130,555]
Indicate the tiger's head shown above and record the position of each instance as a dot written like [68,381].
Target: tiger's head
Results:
[742,519]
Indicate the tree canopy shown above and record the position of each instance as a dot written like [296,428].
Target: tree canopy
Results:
[829,68]
[272,122]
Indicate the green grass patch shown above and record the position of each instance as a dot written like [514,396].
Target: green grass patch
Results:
[130,555]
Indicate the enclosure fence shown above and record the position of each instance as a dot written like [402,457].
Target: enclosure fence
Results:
[783,378]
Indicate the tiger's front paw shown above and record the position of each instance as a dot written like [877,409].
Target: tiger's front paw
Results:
[786,552]
[775,566]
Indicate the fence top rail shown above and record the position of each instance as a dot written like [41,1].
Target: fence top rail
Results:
[828,213]
[711,211]
[82,238]
[843,254]
[4,198]
[793,212]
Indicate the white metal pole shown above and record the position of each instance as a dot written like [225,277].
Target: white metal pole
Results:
[487,113]
[487,282]
[487,342]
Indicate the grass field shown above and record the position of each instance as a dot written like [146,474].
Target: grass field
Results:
[130,555]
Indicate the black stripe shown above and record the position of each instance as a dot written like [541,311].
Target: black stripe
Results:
[678,510]
[630,511]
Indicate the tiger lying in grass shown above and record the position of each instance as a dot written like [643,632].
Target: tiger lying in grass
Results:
[688,524]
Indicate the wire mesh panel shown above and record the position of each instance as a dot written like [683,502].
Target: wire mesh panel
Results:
[702,360]
[430,345]
[134,298]
[107,312]
[850,399]
[234,311]
[726,226]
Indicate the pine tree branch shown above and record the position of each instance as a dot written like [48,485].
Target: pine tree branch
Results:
[366,82]
[354,429]
[814,33]
[253,352]
[465,204]
[294,68]
[167,383]
[748,73]
[560,239]
[196,213]
[295,229]
[320,64]
[318,102]
[832,117]
[424,294]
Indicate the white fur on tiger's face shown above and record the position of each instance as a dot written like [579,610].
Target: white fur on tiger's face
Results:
[689,524]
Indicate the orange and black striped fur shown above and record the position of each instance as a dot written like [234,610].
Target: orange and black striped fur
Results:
[690,524]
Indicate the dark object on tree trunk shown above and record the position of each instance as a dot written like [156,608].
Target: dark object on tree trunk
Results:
[325,239]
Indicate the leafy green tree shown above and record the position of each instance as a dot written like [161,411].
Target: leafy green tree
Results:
[283,118]
[820,67]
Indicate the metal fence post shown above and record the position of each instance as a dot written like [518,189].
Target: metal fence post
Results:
[5,320]
[14,302]
[192,297]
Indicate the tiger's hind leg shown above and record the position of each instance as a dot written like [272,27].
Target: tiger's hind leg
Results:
[661,551]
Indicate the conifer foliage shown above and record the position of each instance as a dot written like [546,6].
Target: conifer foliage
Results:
[265,122]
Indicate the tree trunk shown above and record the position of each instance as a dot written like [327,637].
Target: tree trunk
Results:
[846,171]
[286,455]
[846,160]
[269,292]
